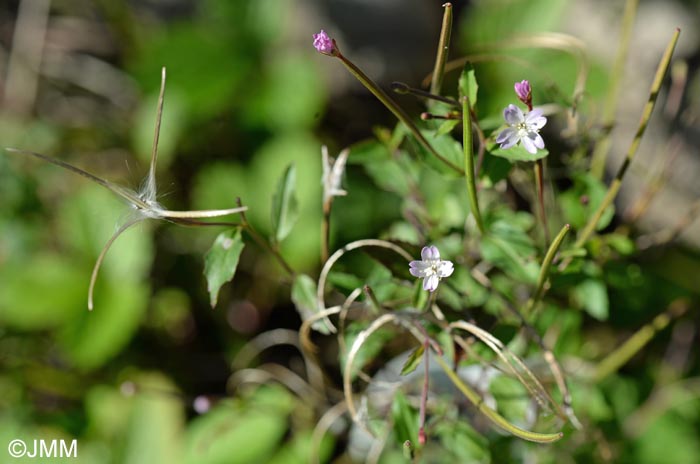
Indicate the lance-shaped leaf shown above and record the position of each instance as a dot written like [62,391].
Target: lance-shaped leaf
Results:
[304,298]
[413,360]
[285,208]
[221,261]
[467,84]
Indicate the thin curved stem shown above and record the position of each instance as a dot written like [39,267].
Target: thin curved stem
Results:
[100,258]
[392,106]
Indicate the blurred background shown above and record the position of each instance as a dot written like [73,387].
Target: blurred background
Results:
[246,95]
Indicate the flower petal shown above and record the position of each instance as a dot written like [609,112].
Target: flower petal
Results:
[529,145]
[418,268]
[508,138]
[513,115]
[505,134]
[539,142]
[445,269]
[429,253]
[431,282]
[536,121]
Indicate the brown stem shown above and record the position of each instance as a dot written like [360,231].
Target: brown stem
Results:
[248,227]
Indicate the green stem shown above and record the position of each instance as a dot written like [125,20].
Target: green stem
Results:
[544,271]
[392,106]
[646,115]
[618,358]
[603,146]
[443,50]
[492,415]
[469,163]
[539,183]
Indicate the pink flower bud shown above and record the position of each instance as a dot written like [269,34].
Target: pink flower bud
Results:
[524,92]
[324,44]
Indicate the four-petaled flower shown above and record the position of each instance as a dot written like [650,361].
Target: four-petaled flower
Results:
[524,92]
[523,128]
[431,268]
[324,44]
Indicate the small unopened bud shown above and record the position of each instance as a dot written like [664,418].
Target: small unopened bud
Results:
[400,87]
[524,92]
[324,44]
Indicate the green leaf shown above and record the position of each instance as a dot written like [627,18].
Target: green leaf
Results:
[511,397]
[447,126]
[304,298]
[413,360]
[494,169]
[592,295]
[285,208]
[221,261]
[518,153]
[510,248]
[405,419]
[94,337]
[31,300]
[155,424]
[668,438]
[461,443]
[237,433]
[468,85]
[579,202]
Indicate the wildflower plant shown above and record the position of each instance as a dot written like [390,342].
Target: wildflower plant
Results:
[502,262]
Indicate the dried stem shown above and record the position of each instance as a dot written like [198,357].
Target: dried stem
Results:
[634,146]
[443,50]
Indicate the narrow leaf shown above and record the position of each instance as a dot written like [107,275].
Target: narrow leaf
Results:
[285,208]
[468,85]
[221,261]
[413,360]
[446,127]
[304,298]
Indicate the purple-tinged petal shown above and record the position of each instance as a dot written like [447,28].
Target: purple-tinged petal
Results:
[417,272]
[529,145]
[505,134]
[513,115]
[431,282]
[418,268]
[539,141]
[429,253]
[510,138]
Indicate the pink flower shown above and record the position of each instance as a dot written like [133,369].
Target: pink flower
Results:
[324,44]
